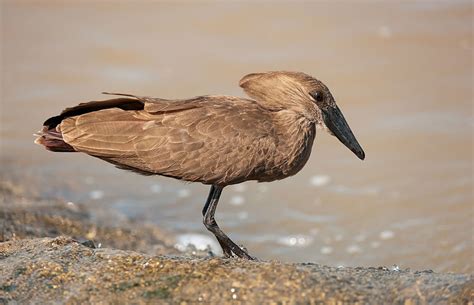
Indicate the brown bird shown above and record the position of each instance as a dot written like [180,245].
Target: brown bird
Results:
[214,139]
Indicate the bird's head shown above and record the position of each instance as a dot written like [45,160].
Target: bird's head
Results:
[301,93]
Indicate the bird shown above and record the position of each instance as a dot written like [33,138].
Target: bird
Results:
[217,140]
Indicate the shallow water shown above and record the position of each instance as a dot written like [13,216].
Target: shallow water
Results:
[400,72]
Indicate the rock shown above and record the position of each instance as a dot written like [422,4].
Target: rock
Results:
[62,270]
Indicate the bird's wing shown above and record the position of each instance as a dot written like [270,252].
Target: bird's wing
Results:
[156,105]
[126,102]
[207,139]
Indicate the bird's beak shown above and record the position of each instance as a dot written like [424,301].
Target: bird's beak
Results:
[336,122]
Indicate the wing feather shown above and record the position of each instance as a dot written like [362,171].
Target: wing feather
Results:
[207,139]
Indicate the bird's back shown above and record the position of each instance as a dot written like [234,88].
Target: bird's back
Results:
[210,139]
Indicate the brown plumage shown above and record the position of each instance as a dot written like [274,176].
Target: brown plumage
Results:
[216,140]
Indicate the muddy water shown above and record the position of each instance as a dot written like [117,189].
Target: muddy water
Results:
[401,73]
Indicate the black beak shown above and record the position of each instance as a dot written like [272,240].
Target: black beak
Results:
[336,122]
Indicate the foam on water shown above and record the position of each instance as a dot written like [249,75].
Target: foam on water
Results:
[156,188]
[183,193]
[387,234]
[96,194]
[368,190]
[319,180]
[237,200]
[326,250]
[199,241]
[243,215]
[353,249]
[375,244]
[295,240]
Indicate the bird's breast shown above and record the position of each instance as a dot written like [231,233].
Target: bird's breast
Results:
[294,142]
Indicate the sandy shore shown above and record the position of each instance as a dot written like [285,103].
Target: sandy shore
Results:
[49,253]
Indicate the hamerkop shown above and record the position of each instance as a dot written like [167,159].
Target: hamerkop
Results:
[214,139]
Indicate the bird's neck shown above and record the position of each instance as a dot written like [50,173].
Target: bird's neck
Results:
[295,139]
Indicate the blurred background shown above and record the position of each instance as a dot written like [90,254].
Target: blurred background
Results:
[401,72]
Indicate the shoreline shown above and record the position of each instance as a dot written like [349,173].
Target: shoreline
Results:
[49,251]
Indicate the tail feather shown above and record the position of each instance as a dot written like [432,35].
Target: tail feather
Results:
[52,140]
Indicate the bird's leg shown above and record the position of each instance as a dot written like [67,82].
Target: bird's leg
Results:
[225,249]
[228,246]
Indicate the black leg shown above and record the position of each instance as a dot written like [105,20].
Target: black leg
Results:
[228,246]
[225,249]
[208,201]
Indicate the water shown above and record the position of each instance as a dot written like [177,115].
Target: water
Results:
[401,73]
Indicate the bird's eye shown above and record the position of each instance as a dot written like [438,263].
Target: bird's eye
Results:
[317,95]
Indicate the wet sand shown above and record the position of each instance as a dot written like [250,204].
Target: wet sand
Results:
[63,269]
[23,216]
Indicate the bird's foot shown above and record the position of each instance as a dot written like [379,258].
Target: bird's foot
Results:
[230,249]
[246,254]
[241,252]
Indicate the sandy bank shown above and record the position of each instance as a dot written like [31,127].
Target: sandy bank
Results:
[65,269]
[62,270]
